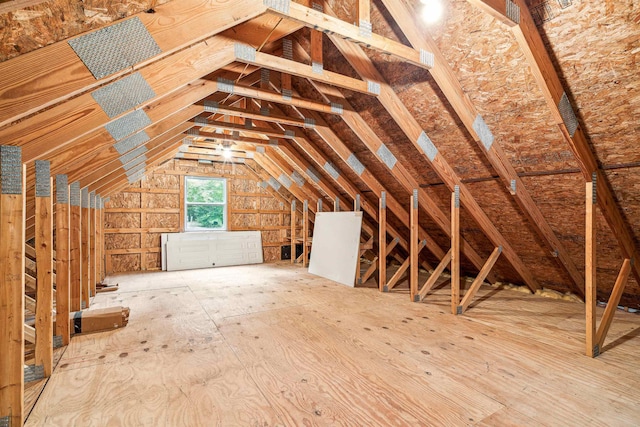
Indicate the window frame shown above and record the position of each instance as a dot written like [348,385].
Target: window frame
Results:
[186,203]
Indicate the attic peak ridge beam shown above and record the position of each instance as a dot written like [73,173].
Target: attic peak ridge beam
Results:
[331,25]
[545,74]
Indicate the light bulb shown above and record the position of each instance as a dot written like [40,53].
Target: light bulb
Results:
[226,153]
[431,11]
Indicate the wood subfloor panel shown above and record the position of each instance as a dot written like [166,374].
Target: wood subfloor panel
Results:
[271,345]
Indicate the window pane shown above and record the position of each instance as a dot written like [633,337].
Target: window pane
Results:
[205,216]
[205,190]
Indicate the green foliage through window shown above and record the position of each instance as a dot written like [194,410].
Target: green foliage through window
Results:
[206,200]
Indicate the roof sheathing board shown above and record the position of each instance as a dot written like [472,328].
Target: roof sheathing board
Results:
[493,71]
[597,48]
[429,107]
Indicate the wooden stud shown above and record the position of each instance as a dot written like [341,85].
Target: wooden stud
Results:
[590,288]
[305,234]
[74,247]
[293,232]
[44,266]
[468,296]
[62,259]
[12,253]
[316,38]
[93,276]
[99,239]
[414,255]
[382,242]
[363,11]
[612,304]
[455,250]
[85,253]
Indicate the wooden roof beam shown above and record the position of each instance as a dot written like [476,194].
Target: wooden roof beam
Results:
[171,144]
[442,73]
[361,35]
[275,97]
[54,73]
[388,98]
[119,182]
[369,138]
[283,164]
[68,122]
[248,55]
[307,146]
[548,80]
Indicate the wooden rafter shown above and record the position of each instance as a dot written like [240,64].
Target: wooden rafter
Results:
[451,87]
[56,73]
[327,135]
[371,140]
[331,25]
[287,66]
[546,76]
[394,106]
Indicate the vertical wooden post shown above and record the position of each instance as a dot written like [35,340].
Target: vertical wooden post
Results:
[316,41]
[363,13]
[305,233]
[293,232]
[414,251]
[12,238]
[98,239]
[455,250]
[319,205]
[590,287]
[93,277]
[382,243]
[62,258]
[84,246]
[356,208]
[336,205]
[44,267]
[74,246]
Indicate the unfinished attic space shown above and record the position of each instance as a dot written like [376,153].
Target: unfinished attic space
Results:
[338,212]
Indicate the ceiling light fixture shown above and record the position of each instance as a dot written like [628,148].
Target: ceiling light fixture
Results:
[226,153]
[432,11]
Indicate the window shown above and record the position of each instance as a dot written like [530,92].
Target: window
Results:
[205,203]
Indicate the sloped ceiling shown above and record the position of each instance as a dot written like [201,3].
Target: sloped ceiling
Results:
[594,46]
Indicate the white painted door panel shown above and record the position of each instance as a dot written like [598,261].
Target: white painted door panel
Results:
[216,249]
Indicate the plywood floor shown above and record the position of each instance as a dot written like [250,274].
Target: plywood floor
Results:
[270,345]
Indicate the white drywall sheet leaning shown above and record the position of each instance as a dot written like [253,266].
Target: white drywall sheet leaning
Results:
[186,251]
[336,245]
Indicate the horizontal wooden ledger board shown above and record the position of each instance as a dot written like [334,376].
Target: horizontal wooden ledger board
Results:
[336,245]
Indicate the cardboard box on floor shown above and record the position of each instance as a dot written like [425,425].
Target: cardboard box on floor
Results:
[99,320]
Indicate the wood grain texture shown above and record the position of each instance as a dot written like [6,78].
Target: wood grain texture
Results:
[12,306]
[44,296]
[75,280]
[215,346]
[62,272]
